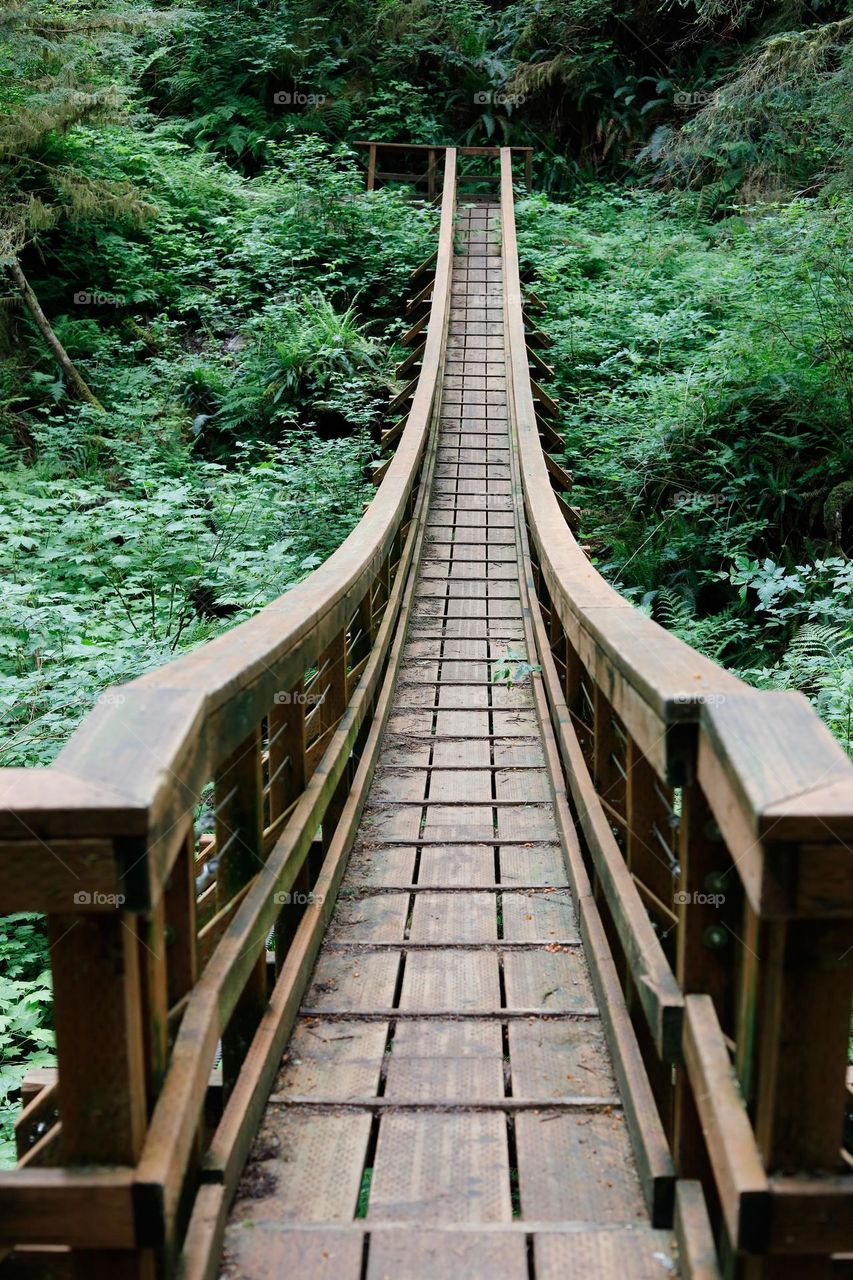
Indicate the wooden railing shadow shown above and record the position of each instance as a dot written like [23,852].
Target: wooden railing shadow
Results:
[716,846]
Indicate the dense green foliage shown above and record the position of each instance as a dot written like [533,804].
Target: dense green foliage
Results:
[705,374]
[25,1036]
[189,427]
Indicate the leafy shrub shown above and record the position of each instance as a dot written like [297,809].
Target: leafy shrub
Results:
[705,379]
[26,1040]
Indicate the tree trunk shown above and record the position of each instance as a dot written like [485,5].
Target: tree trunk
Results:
[76,383]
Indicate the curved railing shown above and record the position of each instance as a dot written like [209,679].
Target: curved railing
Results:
[715,822]
[272,729]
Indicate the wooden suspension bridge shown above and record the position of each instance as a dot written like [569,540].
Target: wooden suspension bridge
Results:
[523,943]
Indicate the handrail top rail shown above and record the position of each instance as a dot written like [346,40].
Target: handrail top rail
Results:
[789,777]
[134,746]
[437,146]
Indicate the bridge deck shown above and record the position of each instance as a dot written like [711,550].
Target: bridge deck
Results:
[447,1104]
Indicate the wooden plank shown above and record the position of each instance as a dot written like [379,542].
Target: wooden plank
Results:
[439,1255]
[460,785]
[310,1253]
[774,775]
[441,1168]
[467,981]
[336,1058]
[740,1178]
[458,865]
[543,866]
[342,981]
[445,1061]
[471,917]
[697,1254]
[544,980]
[636,1253]
[388,865]
[577,1168]
[559,1059]
[379,919]
[539,917]
[530,822]
[81,875]
[85,1209]
[527,785]
[304,1167]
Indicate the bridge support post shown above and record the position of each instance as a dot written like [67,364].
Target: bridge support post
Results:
[806,1000]
[238,794]
[100,1045]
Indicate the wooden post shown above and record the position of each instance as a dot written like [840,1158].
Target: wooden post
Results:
[238,794]
[804,1024]
[431,185]
[99,1017]
[371,166]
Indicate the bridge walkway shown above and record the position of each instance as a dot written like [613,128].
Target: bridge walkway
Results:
[446,1105]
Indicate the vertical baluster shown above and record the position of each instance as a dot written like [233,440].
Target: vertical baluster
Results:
[747,1000]
[382,590]
[647,813]
[181,928]
[604,747]
[151,931]
[238,799]
[705,946]
[333,708]
[371,166]
[287,771]
[573,677]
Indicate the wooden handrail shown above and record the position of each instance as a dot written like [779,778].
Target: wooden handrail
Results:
[717,823]
[283,714]
[432,151]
